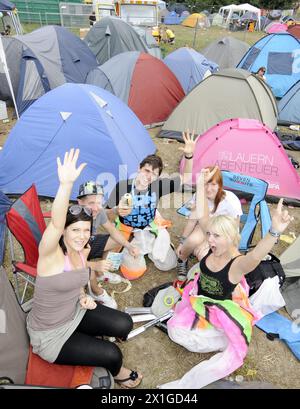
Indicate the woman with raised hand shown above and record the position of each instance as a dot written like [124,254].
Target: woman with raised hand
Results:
[214,313]
[65,323]
[210,200]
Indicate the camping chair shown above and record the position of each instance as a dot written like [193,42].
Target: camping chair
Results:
[20,365]
[258,210]
[26,222]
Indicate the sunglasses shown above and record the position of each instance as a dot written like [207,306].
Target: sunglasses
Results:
[75,210]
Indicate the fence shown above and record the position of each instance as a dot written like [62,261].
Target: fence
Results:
[197,33]
[31,21]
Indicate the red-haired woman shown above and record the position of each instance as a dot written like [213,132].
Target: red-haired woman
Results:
[214,201]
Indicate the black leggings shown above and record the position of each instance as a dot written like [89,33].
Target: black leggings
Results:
[82,348]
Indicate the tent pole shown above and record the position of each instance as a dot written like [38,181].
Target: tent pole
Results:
[195,33]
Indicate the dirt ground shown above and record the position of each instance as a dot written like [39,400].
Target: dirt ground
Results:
[153,353]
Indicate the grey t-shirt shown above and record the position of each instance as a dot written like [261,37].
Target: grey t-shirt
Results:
[101,218]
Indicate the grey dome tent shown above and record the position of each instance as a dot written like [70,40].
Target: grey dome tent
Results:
[288,106]
[43,60]
[227,52]
[111,36]
[229,93]
[152,45]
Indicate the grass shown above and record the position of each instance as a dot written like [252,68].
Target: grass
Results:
[201,38]
[197,38]
[158,358]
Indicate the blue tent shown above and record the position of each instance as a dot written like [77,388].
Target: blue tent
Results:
[111,139]
[172,18]
[189,67]
[279,54]
[183,16]
[289,106]
[42,60]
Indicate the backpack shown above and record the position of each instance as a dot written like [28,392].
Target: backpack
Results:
[268,268]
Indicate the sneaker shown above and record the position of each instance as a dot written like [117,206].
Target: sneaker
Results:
[182,269]
[112,278]
[103,298]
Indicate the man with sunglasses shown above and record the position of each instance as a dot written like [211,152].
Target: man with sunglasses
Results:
[91,198]
[146,190]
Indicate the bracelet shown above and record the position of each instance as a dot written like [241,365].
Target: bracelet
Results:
[274,233]
[182,239]
[188,157]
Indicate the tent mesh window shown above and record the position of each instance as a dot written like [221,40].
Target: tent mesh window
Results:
[280,63]
[250,58]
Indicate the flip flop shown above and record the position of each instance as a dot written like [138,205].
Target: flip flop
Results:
[132,377]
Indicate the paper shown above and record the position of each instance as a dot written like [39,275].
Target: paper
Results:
[115,259]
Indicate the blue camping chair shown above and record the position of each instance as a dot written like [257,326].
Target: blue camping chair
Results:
[258,210]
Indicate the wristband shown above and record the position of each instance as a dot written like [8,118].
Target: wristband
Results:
[188,157]
[274,233]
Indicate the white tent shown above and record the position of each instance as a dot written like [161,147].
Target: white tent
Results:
[240,9]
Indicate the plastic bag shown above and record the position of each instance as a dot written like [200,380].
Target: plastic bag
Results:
[162,254]
[268,268]
[267,298]
[132,267]
[144,240]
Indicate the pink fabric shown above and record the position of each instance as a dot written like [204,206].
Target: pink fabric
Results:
[277,28]
[223,363]
[248,147]
[68,266]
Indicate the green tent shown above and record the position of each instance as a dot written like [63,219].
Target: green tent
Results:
[229,93]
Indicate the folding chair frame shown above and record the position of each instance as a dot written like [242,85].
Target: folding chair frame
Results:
[26,222]
[258,210]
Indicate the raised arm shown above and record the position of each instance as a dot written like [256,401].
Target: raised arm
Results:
[67,174]
[188,151]
[201,210]
[247,263]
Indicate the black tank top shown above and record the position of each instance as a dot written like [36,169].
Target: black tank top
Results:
[215,284]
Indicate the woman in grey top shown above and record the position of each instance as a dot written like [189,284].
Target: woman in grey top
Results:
[64,321]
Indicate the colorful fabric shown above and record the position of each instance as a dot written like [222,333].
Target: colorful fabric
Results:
[227,323]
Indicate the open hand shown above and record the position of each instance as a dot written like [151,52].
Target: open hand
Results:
[190,141]
[280,218]
[67,172]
